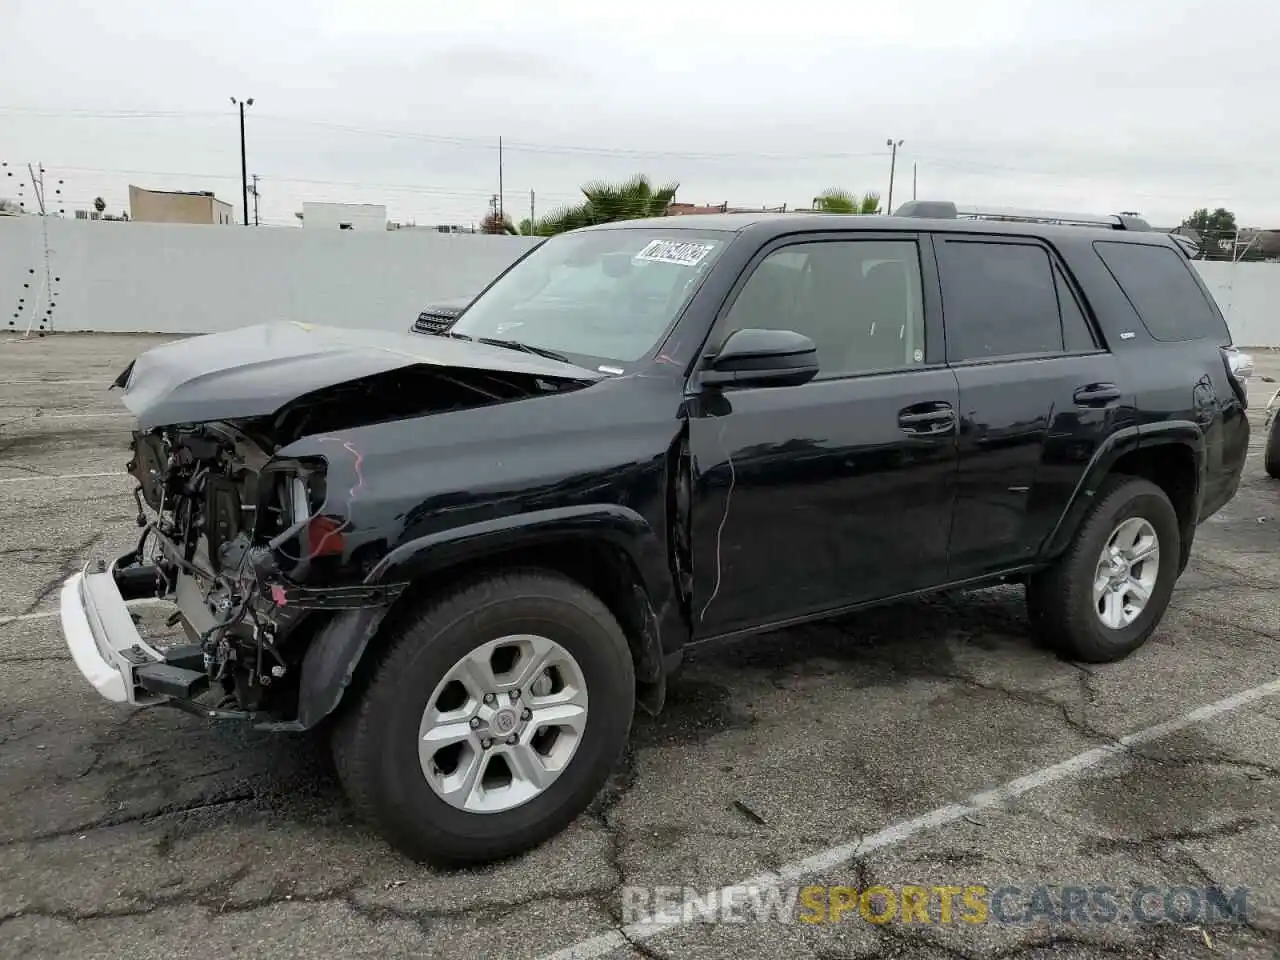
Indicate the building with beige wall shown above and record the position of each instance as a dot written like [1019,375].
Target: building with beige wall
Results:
[177,206]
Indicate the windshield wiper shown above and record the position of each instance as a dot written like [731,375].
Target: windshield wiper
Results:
[517,345]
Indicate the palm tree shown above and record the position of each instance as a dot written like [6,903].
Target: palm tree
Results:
[605,202]
[838,200]
[99,204]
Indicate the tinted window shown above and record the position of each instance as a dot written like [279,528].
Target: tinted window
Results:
[859,301]
[1076,334]
[1159,284]
[998,300]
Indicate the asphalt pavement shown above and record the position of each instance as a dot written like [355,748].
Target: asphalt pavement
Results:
[930,744]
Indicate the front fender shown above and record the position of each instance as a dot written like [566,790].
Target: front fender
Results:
[619,525]
[1269,412]
[1115,446]
[334,654]
[652,614]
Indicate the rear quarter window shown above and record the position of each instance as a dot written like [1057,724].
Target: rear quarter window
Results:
[1158,283]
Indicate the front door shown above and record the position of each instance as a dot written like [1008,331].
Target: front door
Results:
[809,498]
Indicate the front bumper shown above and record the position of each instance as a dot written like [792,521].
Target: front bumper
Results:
[100,633]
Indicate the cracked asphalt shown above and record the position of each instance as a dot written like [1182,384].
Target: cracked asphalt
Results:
[149,833]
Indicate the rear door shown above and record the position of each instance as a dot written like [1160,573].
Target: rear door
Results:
[1037,394]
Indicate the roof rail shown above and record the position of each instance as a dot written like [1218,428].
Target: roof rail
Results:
[946,210]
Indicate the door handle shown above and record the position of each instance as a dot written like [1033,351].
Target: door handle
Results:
[927,418]
[1096,394]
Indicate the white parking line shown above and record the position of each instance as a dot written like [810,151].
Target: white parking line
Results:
[657,924]
[77,416]
[106,382]
[37,478]
[50,614]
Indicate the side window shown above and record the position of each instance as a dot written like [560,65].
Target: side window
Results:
[1076,334]
[1158,282]
[858,300]
[998,300]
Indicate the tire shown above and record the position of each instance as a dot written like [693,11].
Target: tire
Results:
[1271,459]
[376,739]
[1060,599]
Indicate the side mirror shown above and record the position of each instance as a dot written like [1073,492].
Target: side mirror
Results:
[762,358]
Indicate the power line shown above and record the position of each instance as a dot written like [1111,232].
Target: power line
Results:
[478,143]
[563,149]
[197,175]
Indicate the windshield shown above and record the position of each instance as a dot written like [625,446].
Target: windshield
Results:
[606,295]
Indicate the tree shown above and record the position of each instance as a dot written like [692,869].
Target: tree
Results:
[99,204]
[604,202]
[839,200]
[1217,231]
[492,223]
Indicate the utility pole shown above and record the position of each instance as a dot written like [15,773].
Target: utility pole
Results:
[893,145]
[501,208]
[913,181]
[255,199]
[533,218]
[244,166]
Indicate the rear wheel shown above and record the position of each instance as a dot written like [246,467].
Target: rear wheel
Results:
[1105,596]
[493,718]
[1271,458]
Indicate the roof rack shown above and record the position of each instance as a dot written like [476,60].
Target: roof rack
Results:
[946,210]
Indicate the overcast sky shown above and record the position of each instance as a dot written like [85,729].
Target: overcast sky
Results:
[1158,106]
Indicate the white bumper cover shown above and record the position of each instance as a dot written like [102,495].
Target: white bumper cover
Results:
[101,635]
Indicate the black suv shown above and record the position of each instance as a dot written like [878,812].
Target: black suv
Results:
[469,555]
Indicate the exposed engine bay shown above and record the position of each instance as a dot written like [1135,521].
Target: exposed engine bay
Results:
[215,516]
[248,543]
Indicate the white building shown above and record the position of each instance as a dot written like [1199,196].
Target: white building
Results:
[344,216]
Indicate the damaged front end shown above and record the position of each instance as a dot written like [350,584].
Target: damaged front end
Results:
[250,549]
[256,523]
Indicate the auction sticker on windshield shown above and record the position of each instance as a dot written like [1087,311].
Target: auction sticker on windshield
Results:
[683,252]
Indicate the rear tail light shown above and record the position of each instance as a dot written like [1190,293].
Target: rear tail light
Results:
[1239,369]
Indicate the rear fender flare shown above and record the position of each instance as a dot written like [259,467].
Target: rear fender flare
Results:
[1126,440]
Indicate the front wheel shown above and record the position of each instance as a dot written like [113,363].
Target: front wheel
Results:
[1104,597]
[492,718]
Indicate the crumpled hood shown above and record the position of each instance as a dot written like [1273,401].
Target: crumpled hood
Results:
[254,371]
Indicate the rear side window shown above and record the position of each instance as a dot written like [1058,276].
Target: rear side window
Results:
[1166,297]
[1076,335]
[998,300]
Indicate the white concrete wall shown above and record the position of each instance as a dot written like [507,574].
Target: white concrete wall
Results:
[181,278]
[1249,296]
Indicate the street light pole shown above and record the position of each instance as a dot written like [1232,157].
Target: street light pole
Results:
[244,165]
[893,146]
